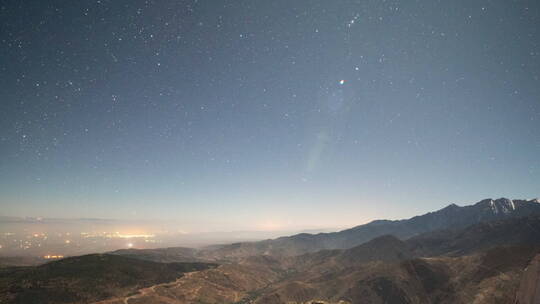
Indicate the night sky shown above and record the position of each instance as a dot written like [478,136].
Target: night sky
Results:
[228,115]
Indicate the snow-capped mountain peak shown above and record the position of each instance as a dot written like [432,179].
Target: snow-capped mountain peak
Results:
[499,206]
[503,205]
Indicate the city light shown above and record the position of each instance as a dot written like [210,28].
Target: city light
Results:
[49,257]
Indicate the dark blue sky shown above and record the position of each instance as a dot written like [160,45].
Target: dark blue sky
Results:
[266,114]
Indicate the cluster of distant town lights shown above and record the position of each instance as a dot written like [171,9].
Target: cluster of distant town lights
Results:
[27,244]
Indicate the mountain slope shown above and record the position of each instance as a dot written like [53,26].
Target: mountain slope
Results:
[483,263]
[481,236]
[458,242]
[227,283]
[161,255]
[529,289]
[86,278]
[481,278]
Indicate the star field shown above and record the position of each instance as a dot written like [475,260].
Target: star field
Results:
[227,114]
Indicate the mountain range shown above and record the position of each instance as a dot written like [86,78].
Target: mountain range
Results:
[488,262]
[487,252]
[450,217]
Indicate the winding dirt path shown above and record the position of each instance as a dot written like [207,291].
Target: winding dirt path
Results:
[150,291]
